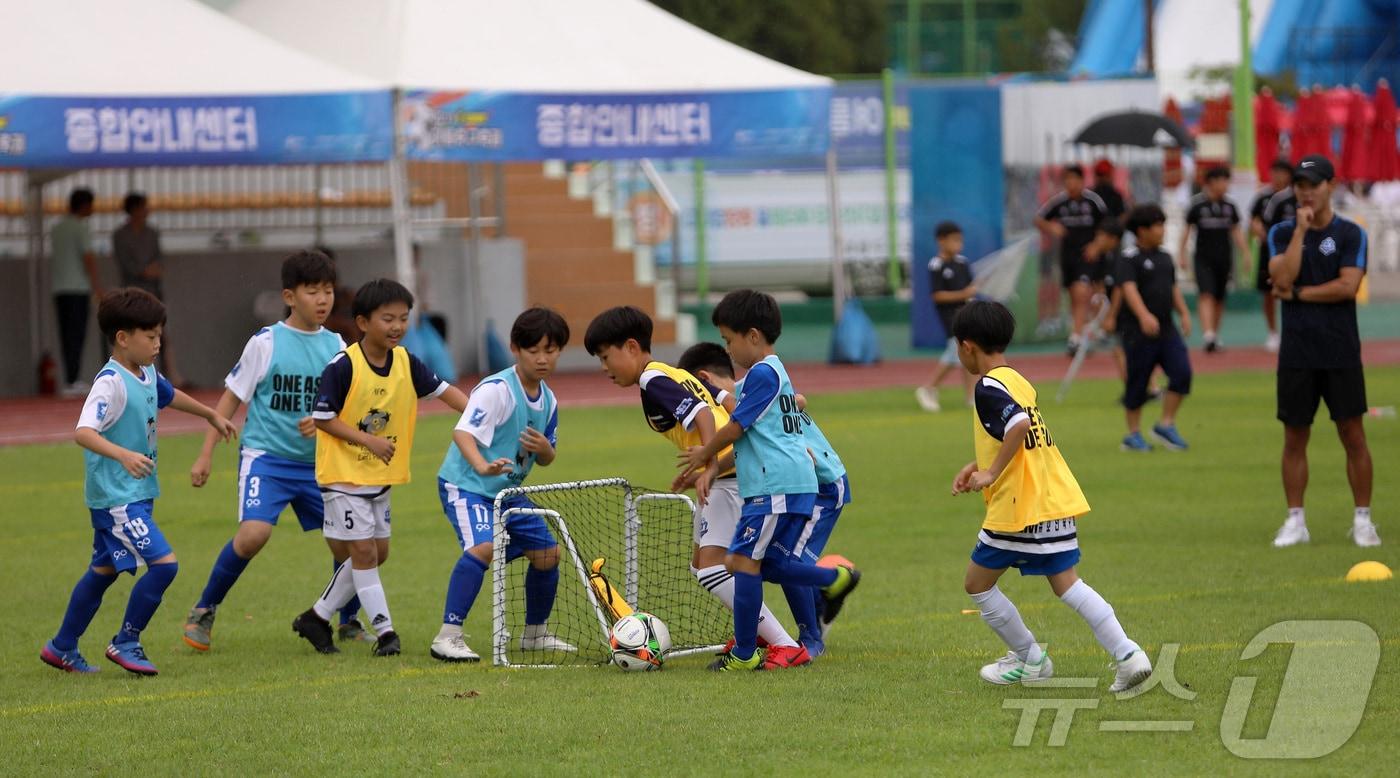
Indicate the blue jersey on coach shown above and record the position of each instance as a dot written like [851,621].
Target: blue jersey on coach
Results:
[287,392]
[505,443]
[771,456]
[107,483]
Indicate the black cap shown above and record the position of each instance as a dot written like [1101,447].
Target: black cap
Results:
[1315,168]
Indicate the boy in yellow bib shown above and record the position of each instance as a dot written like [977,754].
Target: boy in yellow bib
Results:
[365,413]
[1032,503]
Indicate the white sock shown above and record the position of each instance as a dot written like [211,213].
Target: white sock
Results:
[1094,609]
[372,599]
[1362,516]
[338,592]
[721,584]
[1295,516]
[1001,615]
[449,631]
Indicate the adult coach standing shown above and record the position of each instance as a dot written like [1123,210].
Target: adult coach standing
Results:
[1072,216]
[136,247]
[1317,265]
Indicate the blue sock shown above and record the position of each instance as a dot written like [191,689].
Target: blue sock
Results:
[781,569]
[540,588]
[145,598]
[352,608]
[799,599]
[462,588]
[82,606]
[225,574]
[748,600]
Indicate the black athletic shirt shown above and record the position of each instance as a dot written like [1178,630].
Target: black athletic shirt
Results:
[1321,336]
[952,275]
[1079,217]
[1213,221]
[1155,275]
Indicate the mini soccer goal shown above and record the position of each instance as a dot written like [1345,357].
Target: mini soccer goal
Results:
[621,549]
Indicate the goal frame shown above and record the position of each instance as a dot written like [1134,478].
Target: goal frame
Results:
[631,524]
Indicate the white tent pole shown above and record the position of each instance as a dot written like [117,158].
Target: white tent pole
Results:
[35,227]
[398,196]
[839,292]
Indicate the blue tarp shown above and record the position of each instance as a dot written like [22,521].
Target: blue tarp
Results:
[501,126]
[955,158]
[93,132]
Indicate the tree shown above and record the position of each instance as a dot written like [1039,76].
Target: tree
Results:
[820,36]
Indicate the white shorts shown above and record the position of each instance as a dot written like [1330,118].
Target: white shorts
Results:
[716,522]
[355,516]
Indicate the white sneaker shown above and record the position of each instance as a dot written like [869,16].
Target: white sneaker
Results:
[537,637]
[453,648]
[1010,669]
[1291,534]
[1131,671]
[1364,533]
[928,399]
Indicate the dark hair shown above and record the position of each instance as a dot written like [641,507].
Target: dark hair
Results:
[79,199]
[378,293]
[1110,226]
[1219,171]
[132,201]
[616,326]
[307,266]
[1282,164]
[127,309]
[745,309]
[1073,169]
[707,356]
[1144,216]
[537,324]
[944,229]
[988,324]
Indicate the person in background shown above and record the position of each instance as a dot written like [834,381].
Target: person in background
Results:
[136,247]
[74,283]
[1113,200]
[1072,217]
[1280,183]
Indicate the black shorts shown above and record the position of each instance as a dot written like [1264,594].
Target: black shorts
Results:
[1262,282]
[1079,270]
[1213,275]
[1299,390]
[1143,354]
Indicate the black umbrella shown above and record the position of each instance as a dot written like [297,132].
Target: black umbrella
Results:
[1134,128]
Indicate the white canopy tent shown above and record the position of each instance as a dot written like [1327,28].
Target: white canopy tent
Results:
[154,47]
[534,47]
[90,67]
[520,46]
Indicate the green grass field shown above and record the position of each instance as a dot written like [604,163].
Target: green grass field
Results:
[1179,543]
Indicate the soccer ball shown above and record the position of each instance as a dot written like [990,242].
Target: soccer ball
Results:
[639,642]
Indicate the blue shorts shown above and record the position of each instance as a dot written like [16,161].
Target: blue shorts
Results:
[267,484]
[994,558]
[831,499]
[771,521]
[126,536]
[470,516]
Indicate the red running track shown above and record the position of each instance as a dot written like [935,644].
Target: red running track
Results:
[46,419]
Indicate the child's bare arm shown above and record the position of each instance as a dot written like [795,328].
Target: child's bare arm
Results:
[187,404]
[138,465]
[226,407]
[454,398]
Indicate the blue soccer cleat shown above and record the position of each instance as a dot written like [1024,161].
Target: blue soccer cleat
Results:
[67,661]
[1167,435]
[131,657]
[1133,442]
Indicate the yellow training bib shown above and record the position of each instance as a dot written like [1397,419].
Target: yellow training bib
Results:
[660,420]
[1036,485]
[383,406]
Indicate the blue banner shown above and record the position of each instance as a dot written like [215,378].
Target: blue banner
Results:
[955,162]
[501,126]
[89,132]
[858,121]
